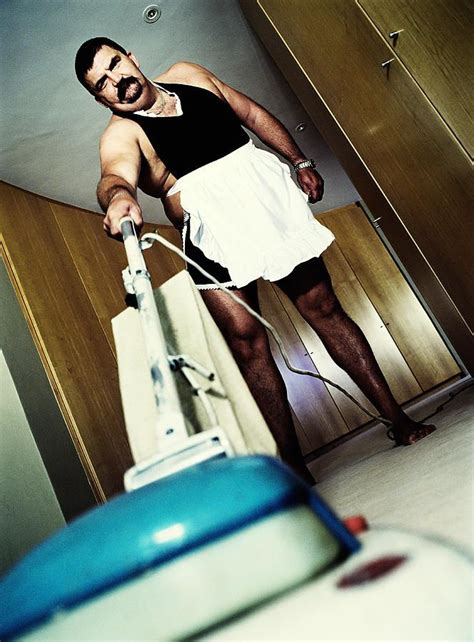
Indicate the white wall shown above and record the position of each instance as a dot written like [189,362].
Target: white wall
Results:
[29,509]
[39,404]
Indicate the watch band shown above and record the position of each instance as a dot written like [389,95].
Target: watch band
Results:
[304,164]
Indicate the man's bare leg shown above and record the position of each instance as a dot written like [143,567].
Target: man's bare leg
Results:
[249,345]
[309,287]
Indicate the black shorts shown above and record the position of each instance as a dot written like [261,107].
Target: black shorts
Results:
[218,271]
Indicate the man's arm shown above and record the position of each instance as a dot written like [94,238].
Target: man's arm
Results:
[273,133]
[120,161]
[261,122]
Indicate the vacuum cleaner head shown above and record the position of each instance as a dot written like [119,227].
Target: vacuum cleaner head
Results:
[203,446]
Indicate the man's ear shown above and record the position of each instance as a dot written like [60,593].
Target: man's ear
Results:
[133,59]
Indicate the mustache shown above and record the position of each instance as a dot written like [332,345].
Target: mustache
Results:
[124,85]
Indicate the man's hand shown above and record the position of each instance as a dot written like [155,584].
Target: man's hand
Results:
[122,204]
[312,183]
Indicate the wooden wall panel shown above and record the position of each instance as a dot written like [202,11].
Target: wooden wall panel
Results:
[98,261]
[67,275]
[78,361]
[435,44]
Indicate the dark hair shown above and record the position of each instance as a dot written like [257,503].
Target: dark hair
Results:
[86,54]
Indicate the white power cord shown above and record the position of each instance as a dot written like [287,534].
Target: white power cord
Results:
[145,243]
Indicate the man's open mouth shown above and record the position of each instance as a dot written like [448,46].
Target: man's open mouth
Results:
[129,90]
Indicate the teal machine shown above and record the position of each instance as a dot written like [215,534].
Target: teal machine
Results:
[201,538]
[200,535]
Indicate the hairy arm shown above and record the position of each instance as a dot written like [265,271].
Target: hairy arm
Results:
[273,133]
[120,162]
[261,122]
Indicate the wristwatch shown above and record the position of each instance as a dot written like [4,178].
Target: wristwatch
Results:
[304,164]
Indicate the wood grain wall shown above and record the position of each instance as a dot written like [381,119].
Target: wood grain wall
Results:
[67,276]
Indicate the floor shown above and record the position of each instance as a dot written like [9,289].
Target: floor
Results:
[427,487]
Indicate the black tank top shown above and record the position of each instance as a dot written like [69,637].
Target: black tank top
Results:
[207,130]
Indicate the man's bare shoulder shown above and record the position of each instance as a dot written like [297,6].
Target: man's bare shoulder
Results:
[120,130]
[188,73]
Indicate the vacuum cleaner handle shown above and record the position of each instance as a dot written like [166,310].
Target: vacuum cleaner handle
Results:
[132,245]
[127,226]
[170,422]
[175,449]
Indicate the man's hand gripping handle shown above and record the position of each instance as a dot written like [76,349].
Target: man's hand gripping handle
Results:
[122,205]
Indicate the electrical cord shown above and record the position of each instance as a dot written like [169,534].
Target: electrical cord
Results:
[147,241]
[451,396]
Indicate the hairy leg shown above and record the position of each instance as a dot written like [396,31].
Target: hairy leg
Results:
[309,287]
[249,345]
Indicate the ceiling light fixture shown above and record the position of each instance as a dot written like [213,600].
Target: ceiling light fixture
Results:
[151,13]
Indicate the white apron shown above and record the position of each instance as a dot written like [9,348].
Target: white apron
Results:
[246,213]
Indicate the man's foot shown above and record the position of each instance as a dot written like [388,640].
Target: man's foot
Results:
[405,431]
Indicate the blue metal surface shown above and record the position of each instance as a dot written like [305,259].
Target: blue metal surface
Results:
[148,527]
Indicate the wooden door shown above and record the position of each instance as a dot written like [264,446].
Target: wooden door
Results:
[435,42]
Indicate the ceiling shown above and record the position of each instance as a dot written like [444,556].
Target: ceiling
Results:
[50,125]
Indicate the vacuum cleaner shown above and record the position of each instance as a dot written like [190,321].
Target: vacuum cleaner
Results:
[199,536]
[201,541]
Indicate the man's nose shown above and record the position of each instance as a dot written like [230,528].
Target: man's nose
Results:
[114,76]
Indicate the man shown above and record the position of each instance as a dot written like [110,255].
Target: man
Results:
[180,138]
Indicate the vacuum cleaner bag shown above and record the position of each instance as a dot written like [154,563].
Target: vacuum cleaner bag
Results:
[189,329]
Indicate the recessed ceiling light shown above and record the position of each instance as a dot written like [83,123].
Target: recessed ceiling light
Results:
[300,128]
[151,13]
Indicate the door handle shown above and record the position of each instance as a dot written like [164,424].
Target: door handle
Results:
[386,64]
[375,222]
[394,36]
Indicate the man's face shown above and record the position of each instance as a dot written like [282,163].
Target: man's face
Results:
[117,82]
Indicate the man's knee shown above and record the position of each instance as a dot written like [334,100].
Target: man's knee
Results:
[320,304]
[248,341]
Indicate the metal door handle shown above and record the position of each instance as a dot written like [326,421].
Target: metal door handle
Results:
[375,222]
[386,64]
[394,35]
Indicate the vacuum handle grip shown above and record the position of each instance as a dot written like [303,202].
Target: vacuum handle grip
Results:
[127,227]
[132,246]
